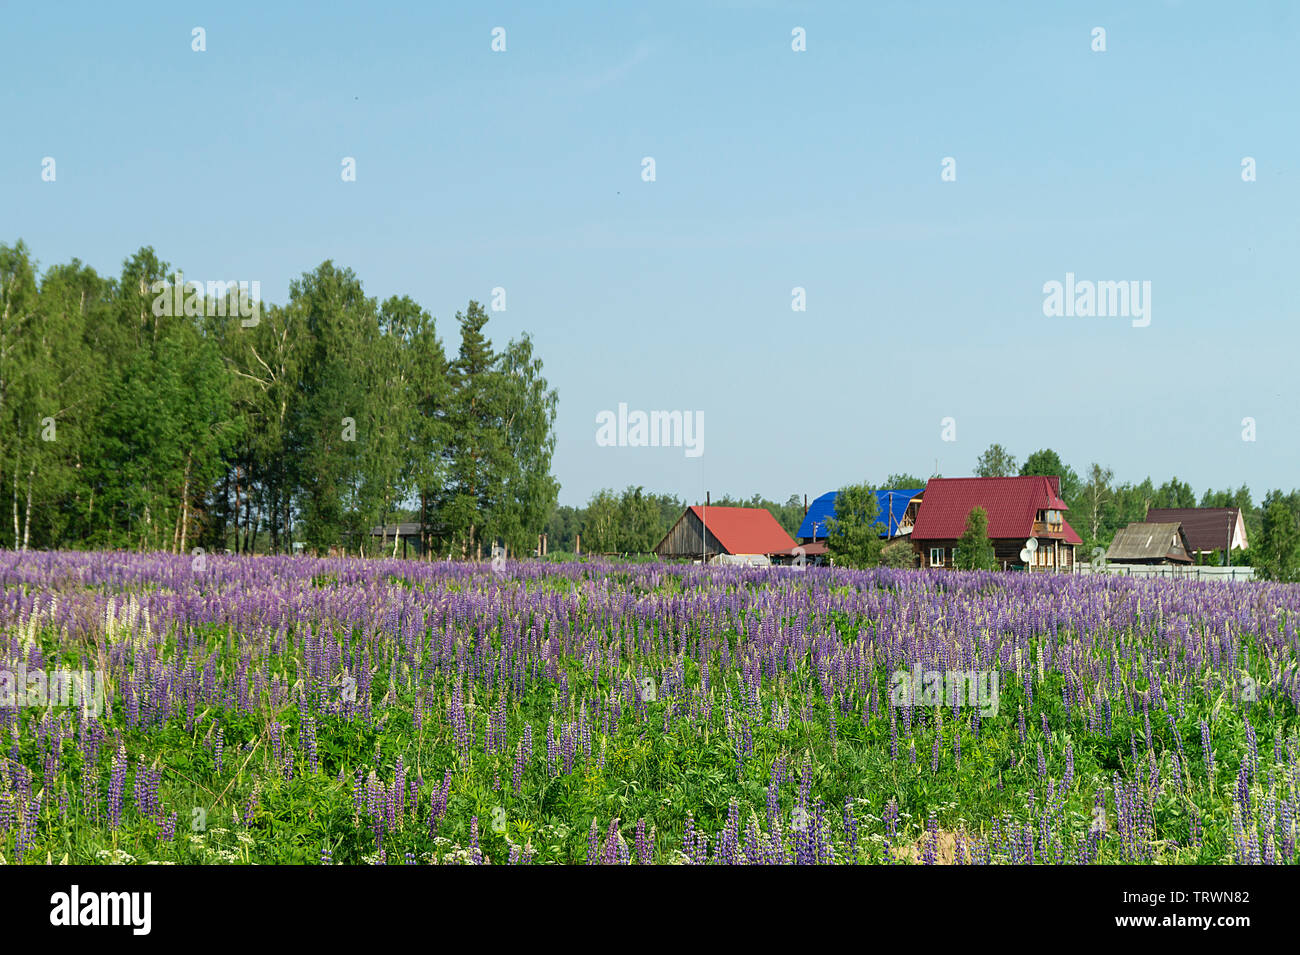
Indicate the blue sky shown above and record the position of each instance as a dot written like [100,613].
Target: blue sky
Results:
[774,169]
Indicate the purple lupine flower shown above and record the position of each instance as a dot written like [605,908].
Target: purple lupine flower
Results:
[475,853]
[930,854]
[593,844]
[644,844]
[116,788]
[850,828]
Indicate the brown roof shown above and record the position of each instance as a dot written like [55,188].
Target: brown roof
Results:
[1207,528]
[1150,542]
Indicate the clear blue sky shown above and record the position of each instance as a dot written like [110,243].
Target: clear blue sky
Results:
[775,169]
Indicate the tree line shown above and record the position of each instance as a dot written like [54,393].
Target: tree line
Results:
[633,521]
[143,412]
[1099,506]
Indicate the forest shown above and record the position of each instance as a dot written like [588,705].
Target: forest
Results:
[128,423]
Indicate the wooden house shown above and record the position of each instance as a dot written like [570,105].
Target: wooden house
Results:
[1019,509]
[1208,529]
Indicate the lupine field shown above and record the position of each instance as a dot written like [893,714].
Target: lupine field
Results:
[299,710]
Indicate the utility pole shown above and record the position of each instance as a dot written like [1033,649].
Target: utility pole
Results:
[704,526]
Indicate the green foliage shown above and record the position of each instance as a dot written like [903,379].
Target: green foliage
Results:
[854,533]
[898,553]
[1174,493]
[902,481]
[128,423]
[1276,552]
[1048,463]
[974,549]
[997,461]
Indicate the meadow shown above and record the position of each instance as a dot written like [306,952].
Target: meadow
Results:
[301,710]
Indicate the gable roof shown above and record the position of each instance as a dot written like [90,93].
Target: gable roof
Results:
[1012,503]
[1207,528]
[1150,541]
[889,502]
[744,530]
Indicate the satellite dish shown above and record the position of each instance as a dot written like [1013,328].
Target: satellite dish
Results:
[1025,554]
[1031,545]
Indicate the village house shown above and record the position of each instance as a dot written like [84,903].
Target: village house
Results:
[1019,509]
[726,535]
[1208,529]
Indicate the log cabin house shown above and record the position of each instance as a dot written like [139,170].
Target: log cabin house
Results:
[1018,508]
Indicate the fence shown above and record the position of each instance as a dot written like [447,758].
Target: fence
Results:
[1192,572]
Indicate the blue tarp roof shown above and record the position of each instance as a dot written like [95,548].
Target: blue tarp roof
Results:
[891,502]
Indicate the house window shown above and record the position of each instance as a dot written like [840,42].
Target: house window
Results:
[936,556]
[954,556]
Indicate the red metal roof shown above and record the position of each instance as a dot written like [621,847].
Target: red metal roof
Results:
[1011,504]
[745,530]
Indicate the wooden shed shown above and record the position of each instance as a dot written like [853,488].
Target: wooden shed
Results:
[731,532]
[1150,543]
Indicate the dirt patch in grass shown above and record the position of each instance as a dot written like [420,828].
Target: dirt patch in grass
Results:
[945,854]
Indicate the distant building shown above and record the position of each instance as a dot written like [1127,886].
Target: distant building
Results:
[1019,509]
[749,535]
[896,510]
[1150,543]
[409,533]
[1208,529]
